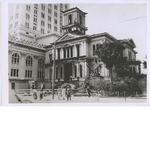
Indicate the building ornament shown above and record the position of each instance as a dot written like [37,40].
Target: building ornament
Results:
[36,57]
[10,51]
[23,54]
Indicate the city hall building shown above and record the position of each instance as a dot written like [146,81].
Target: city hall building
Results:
[32,61]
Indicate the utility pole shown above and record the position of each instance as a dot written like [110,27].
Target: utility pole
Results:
[53,75]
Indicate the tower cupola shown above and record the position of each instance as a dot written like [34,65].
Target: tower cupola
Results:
[74,21]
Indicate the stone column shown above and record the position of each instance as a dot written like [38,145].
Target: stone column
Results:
[84,48]
[75,51]
[72,70]
[35,67]
[78,70]
[22,65]
[85,70]
[61,53]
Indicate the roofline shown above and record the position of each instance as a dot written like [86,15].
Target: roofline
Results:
[103,34]
[45,35]
[28,46]
[73,9]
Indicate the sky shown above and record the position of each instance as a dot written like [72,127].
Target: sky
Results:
[128,20]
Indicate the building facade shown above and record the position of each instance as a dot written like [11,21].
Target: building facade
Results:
[28,21]
[30,61]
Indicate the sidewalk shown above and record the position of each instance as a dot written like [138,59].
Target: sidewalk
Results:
[83,99]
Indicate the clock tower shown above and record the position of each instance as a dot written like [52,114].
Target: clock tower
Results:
[74,21]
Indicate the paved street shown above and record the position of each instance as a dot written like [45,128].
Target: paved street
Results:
[83,99]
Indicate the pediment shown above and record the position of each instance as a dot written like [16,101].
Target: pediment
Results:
[132,42]
[67,36]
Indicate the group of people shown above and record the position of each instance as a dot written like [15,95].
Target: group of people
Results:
[35,96]
[64,92]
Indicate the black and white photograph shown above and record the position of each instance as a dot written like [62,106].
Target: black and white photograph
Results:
[77,53]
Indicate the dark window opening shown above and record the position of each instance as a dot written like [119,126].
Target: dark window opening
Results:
[58,50]
[70,19]
[78,51]
[71,52]
[80,19]
[68,52]
[75,71]
[13,86]
[80,70]
[64,53]
[61,72]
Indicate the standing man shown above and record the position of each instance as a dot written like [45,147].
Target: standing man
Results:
[63,92]
[68,93]
[89,90]
[59,92]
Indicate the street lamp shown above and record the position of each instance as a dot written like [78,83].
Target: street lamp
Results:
[53,70]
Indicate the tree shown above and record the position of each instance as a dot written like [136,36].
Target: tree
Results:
[145,64]
[111,54]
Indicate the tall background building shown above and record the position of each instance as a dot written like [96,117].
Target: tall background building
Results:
[29,21]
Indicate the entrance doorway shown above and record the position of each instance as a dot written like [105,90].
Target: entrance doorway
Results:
[68,71]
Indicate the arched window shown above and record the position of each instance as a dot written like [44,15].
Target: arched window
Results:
[40,68]
[75,71]
[15,58]
[29,61]
[80,70]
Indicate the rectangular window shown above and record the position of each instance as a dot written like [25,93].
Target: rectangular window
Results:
[68,52]
[60,72]
[70,19]
[13,86]
[42,31]
[58,50]
[56,73]
[55,7]
[55,29]
[50,57]
[35,19]
[27,25]
[35,11]
[43,7]
[49,18]
[49,26]
[78,50]
[16,24]
[55,21]
[49,11]
[28,7]
[55,14]
[42,15]
[14,72]
[64,52]
[42,23]
[130,55]
[49,5]
[27,16]
[71,51]
[80,19]
[34,28]
[66,7]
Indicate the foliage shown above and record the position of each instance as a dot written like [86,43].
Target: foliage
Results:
[111,54]
[145,64]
